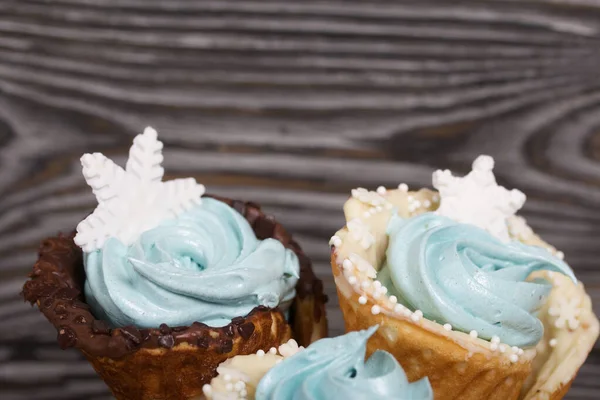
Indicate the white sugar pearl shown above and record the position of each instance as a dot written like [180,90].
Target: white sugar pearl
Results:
[393,299]
[520,352]
[335,241]
[347,264]
[239,385]
[494,346]
[377,284]
[207,389]
[375,309]
[560,255]
[407,312]
[273,350]
[473,334]
[427,204]
[381,190]
[448,327]
[227,377]
[553,342]
[417,315]
[513,358]
[260,353]
[362,300]
[403,187]
[515,349]
[352,280]
[365,284]
[495,339]
[502,348]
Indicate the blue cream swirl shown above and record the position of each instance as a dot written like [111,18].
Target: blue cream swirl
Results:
[460,274]
[335,369]
[205,265]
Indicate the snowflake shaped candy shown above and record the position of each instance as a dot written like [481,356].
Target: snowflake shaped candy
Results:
[368,197]
[477,199]
[361,233]
[566,313]
[132,200]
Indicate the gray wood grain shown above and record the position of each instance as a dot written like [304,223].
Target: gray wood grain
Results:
[290,104]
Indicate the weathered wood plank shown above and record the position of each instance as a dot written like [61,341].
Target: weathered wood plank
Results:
[290,104]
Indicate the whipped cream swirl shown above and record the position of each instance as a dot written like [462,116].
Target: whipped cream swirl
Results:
[460,274]
[335,369]
[205,265]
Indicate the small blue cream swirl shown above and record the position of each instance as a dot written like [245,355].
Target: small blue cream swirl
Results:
[460,274]
[335,369]
[205,265]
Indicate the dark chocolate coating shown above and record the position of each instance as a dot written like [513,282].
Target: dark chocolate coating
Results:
[56,285]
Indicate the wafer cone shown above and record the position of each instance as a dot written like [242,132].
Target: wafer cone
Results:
[458,366]
[179,372]
[168,363]
[455,371]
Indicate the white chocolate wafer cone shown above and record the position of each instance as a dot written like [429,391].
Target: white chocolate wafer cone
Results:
[458,365]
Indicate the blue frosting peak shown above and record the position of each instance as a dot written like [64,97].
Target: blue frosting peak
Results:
[460,274]
[335,369]
[205,265]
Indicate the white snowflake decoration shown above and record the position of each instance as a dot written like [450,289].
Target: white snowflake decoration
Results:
[477,199]
[361,233]
[566,313]
[133,200]
[363,265]
[368,197]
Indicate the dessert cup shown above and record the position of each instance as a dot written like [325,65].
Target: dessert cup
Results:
[458,364]
[329,369]
[155,252]
[168,362]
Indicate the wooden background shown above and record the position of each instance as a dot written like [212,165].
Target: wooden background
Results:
[290,104]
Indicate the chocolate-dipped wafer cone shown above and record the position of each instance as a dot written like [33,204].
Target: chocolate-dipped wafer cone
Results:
[168,363]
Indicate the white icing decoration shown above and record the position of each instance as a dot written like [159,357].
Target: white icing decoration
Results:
[228,372]
[368,197]
[361,233]
[133,200]
[519,228]
[363,265]
[566,313]
[477,199]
